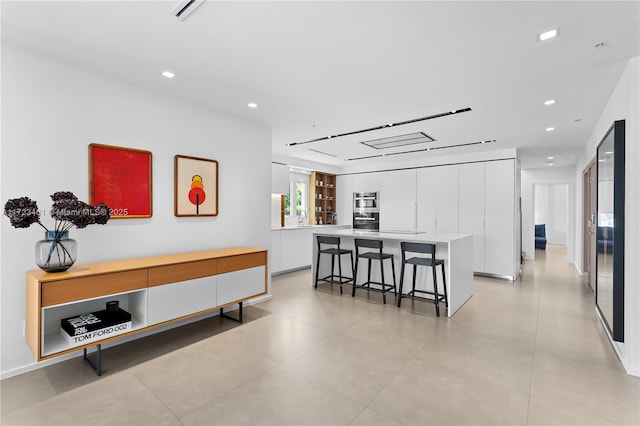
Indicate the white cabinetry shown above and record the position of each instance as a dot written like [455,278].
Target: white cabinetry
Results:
[233,286]
[366,182]
[274,253]
[447,199]
[290,256]
[291,248]
[175,300]
[471,211]
[398,199]
[426,190]
[500,212]
[279,178]
[344,193]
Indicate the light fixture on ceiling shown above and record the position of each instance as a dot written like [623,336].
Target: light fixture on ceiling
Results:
[600,45]
[550,129]
[168,74]
[322,152]
[549,102]
[252,105]
[413,151]
[384,126]
[549,163]
[185,8]
[398,141]
[550,158]
[548,35]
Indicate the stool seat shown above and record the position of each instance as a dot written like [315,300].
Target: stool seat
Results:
[424,261]
[334,252]
[428,259]
[376,254]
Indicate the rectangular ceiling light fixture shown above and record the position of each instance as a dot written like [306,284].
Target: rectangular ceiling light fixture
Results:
[323,153]
[185,8]
[398,141]
[413,151]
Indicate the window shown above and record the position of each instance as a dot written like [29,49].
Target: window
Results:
[297,199]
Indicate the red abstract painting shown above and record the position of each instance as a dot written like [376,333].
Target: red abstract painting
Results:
[121,178]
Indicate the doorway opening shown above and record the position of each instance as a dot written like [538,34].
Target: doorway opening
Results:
[551,216]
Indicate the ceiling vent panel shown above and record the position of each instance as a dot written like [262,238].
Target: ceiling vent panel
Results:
[185,8]
[398,141]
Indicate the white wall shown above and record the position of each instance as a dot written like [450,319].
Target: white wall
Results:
[51,112]
[624,104]
[551,203]
[548,176]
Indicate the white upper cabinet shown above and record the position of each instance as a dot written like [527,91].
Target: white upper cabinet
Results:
[398,199]
[500,217]
[279,178]
[447,199]
[426,189]
[471,209]
[366,182]
[344,195]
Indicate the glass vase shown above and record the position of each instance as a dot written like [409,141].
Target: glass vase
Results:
[57,252]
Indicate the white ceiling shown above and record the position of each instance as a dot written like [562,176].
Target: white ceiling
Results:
[324,68]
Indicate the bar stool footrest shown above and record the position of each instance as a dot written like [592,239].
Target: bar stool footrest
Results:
[384,287]
[331,279]
[409,295]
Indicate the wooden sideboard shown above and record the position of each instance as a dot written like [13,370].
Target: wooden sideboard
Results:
[155,290]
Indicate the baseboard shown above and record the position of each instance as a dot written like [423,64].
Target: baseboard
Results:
[37,365]
[616,348]
[578,269]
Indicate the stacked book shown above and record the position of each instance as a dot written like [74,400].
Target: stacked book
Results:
[90,327]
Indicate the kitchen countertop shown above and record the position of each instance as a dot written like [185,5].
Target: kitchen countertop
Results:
[289,228]
[391,234]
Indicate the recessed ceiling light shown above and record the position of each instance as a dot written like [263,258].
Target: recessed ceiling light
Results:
[608,152]
[600,45]
[168,74]
[252,105]
[548,34]
[549,158]
[549,102]
[550,129]
[549,163]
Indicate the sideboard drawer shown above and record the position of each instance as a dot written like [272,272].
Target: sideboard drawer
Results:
[167,274]
[73,289]
[243,261]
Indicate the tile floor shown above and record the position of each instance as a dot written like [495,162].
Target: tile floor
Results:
[531,352]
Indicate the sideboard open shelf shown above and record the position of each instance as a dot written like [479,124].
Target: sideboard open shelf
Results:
[156,291]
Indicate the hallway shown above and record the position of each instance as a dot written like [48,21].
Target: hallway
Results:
[531,352]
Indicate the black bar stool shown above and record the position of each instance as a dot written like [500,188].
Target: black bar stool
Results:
[373,255]
[333,251]
[430,261]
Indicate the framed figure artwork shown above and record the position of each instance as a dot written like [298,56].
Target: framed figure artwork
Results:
[195,186]
[121,178]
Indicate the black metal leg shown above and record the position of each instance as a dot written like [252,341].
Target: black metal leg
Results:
[384,293]
[393,275]
[444,284]
[413,287]
[239,319]
[98,365]
[401,283]
[368,275]
[317,269]
[333,262]
[353,270]
[435,289]
[340,271]
[355,275]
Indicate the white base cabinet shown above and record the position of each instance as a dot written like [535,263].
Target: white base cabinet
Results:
[291,248]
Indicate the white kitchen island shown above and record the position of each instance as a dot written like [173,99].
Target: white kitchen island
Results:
[455,249]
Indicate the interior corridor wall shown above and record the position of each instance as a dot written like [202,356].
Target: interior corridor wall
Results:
[551,203]
[624,104]
[52,111]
